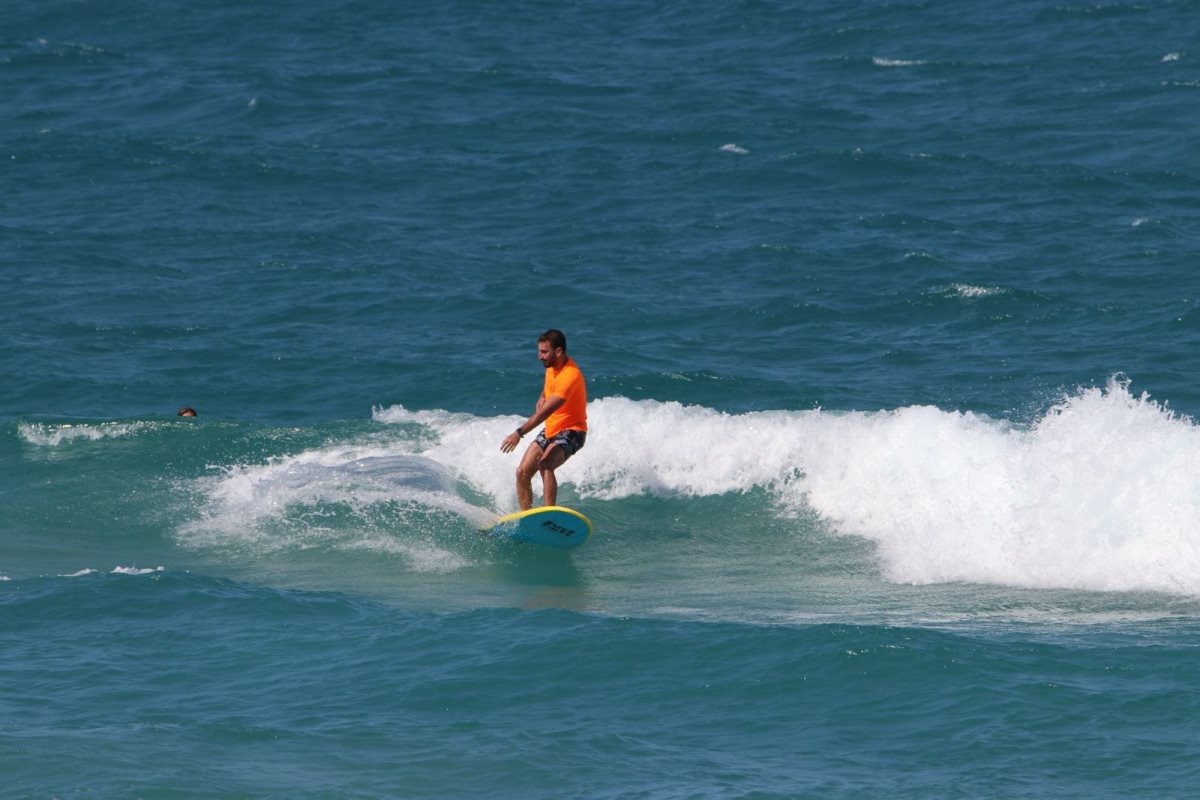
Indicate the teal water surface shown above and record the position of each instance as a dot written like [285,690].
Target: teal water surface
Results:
[888,313]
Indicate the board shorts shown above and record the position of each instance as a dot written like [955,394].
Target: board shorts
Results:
[571,441]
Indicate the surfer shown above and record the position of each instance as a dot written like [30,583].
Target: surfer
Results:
[562,406]
[186,411]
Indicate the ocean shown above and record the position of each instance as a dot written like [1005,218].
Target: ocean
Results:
[889,313]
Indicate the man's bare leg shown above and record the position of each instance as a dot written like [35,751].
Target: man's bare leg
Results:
[525,472]
[550,461]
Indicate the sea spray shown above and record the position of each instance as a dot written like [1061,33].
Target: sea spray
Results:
[353,497]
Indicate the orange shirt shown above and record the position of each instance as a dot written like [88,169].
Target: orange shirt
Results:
[567,383]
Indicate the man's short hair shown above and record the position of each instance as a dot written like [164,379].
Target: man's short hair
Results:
[554,338]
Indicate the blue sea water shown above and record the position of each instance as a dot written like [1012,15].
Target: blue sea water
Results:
[889,313]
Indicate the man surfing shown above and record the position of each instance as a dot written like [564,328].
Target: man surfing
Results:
[562,406]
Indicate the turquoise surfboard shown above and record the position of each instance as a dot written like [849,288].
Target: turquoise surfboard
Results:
[550,526]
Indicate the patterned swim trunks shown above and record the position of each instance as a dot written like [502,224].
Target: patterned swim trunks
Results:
[571,441]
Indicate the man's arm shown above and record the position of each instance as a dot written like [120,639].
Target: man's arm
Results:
[545,407]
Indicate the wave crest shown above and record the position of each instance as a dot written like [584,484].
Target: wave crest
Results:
[1101,493]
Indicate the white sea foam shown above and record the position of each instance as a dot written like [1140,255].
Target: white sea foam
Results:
[734,148]
[116,571]
[1101,493]
[1172,57]
[969,291]
[895,62]
[136,570]
[54,434]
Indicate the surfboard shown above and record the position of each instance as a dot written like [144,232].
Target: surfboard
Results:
[550,526]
